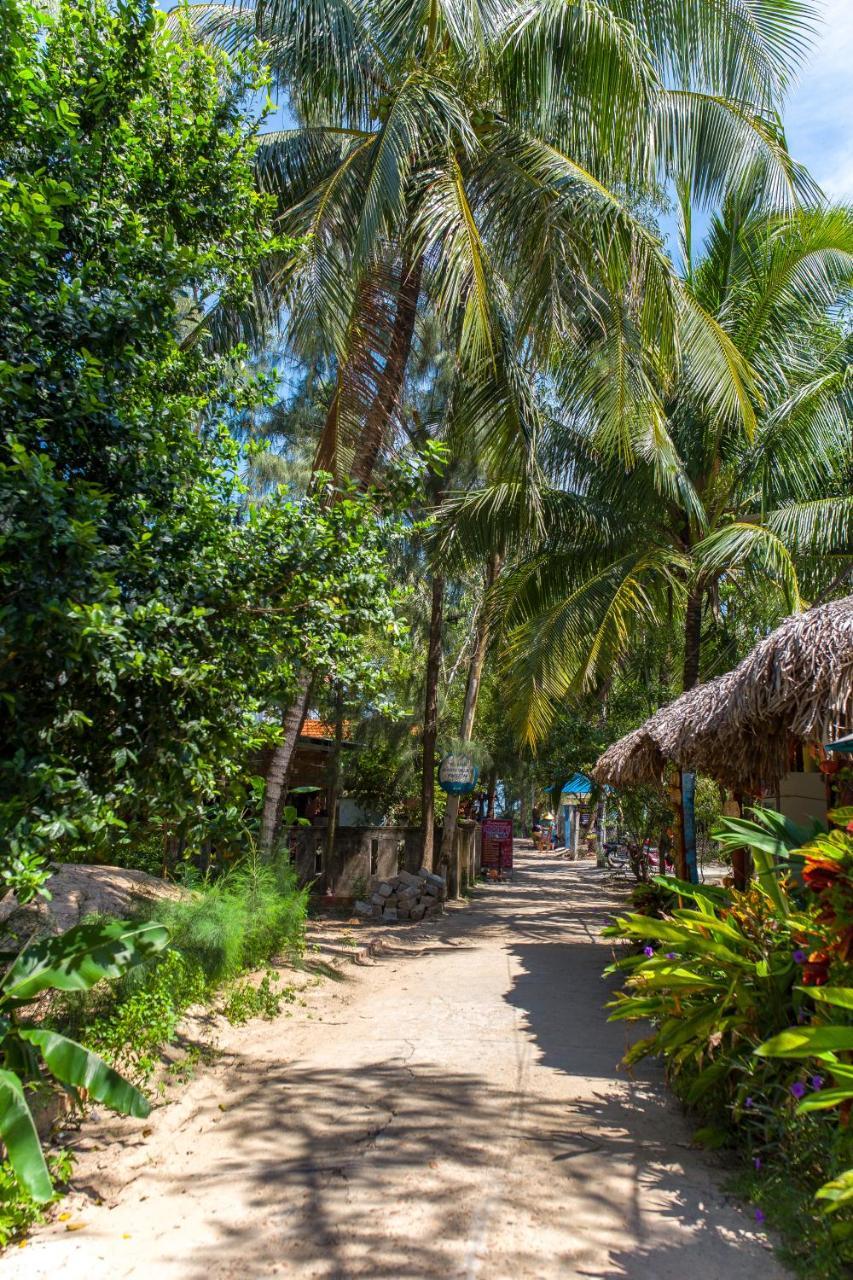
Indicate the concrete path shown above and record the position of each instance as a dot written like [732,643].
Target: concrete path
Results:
[455,1110]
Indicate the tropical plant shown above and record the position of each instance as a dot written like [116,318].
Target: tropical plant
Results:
[493,164]
[714,542]
[73,961]
[715,978]
[825,1039]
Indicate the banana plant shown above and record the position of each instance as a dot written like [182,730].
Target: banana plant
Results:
[30,1055]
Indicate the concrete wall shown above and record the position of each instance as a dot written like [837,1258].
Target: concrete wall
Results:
[361,854]
[802,796]
[364,855]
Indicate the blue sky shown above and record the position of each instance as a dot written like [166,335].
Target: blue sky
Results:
[819,118]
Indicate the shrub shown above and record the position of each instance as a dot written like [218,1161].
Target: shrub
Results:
[18,1210]
[753,1038]
[219,931]
[238,922]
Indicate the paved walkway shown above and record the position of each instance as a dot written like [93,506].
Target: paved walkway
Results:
[454,1111]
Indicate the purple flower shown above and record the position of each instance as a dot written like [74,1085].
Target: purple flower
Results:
[801,1016]
[670,955]
[799,957]
[749,1103]
[757,1162]
[648,951]
[798,1089]
[759,1215]
[816,1082]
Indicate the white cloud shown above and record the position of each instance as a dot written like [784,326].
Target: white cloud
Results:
[819,118]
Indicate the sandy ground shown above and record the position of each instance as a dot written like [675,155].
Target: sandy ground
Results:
[454,1110]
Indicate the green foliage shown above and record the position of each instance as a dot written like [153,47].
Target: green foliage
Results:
[152,620]
[142,1012]
[236,923]
[751,1000]
[18,1210]
[75,961]
[245,1000]
[218,931]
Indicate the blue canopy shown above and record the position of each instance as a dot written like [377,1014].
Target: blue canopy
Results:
[578,785]
[843,744]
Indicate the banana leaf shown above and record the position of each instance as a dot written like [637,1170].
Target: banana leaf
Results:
[19,1136]
[74,1065]
[80,957]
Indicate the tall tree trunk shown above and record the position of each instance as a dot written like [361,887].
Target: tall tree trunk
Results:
[466,730]
[390,384]
[493,786]
[279,764]
[334,780]
[436,627]
[394,370]
[688,868]
[692,639]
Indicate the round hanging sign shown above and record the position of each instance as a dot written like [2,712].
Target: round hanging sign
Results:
[457,775]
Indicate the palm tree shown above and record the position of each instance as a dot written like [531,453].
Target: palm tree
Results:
[754,512]
[492,155]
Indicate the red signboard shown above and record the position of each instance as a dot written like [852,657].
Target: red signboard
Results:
[497,844]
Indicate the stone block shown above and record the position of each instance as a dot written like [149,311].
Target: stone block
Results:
[407,878]
[377,900]
[418,911]
[404,909]
[389,915]
[385,889]
[363,908]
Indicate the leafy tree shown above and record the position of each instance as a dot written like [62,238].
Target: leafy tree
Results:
[150,620]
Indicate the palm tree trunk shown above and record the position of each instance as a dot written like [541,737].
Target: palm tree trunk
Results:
[279,765]
[388,391]
[436,626]
[692,639]
[394,370]
[466,730]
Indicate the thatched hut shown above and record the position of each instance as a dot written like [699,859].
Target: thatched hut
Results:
[744,728]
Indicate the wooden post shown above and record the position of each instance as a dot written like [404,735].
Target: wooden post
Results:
[741,869]
[679,852]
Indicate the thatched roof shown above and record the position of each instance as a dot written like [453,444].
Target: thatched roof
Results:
[796,681]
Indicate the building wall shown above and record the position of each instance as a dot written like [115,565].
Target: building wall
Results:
[802,796]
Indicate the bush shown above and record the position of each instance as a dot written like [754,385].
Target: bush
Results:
[218,932]
[252,913]
[18,1210]
[735,985]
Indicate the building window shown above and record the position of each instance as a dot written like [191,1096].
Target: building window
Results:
[374,856]
[318,861]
